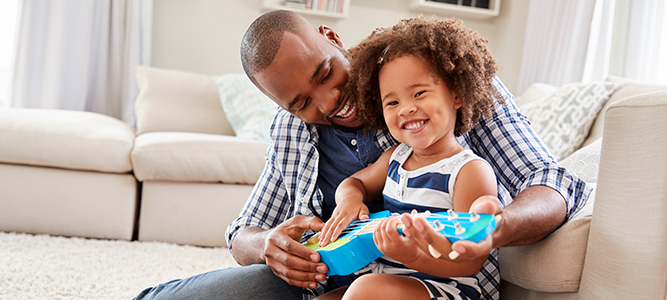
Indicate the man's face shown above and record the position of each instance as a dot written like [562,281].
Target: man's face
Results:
[307,78]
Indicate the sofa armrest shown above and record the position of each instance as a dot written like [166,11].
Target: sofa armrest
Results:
[561,255]
[628,236]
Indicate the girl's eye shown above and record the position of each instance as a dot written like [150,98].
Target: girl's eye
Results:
[419,94]
[392,103]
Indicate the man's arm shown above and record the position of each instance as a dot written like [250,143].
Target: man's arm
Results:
[264,233]
[535,213]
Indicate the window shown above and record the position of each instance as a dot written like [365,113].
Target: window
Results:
[9,10]
[628,39]
[662,59]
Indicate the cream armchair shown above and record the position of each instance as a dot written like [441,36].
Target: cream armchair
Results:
[626,226]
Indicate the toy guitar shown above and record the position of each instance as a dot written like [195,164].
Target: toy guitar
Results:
[355,248]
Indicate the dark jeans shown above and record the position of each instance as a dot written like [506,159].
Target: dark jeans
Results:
[251,282]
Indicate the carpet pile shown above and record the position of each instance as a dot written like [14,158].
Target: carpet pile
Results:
[49,267]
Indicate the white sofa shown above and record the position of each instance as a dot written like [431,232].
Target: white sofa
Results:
[182,177]
[66,173]
[195,176]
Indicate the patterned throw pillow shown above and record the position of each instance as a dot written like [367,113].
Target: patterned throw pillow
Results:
[564,118]
[248,110]
[585,162]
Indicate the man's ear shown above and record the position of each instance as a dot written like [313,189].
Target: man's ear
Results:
[331,35]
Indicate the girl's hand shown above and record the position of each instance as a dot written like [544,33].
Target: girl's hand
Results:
[392,244]
[436,245]
[344,213]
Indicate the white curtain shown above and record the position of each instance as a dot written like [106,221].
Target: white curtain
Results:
[628,39]
[81,54]
[556,42]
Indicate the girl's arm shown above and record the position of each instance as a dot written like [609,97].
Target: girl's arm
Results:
[352,195]
[474,180]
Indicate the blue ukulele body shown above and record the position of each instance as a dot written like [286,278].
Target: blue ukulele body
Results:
[355,248]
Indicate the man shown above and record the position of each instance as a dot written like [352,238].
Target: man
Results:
[317,141]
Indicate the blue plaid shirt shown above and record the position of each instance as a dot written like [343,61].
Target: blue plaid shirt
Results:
[520,159]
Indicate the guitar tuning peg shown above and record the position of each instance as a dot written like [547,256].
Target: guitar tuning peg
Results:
[413,212]
[459,229]
[474,217]
[427,214]
[438,226]
[451,215]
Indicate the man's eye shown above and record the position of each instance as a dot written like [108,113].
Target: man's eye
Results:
[328,74]
[305,103]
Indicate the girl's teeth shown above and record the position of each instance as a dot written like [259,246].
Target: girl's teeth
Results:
[414,125]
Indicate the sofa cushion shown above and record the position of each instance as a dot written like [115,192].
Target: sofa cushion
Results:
[171,100]
[197,157]
[248,110]
[535,92]
[564,118]
[555,263]
[67,139]
[625,88]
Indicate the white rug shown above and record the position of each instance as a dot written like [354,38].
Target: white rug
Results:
[46,267]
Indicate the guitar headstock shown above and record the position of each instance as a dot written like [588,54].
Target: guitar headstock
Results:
[456,226]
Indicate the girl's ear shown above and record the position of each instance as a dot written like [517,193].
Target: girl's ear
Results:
[331,35]
[457,102]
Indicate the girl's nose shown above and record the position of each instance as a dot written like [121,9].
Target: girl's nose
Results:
[407,109]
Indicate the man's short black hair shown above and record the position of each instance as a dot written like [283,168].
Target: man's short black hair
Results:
[262,39]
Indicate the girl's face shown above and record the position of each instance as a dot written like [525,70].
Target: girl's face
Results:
[418,111]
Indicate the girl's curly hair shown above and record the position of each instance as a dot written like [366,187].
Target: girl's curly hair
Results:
[454,53]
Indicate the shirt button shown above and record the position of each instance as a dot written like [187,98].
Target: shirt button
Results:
[353,142]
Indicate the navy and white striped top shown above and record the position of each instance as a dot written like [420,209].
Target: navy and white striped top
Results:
[427,188]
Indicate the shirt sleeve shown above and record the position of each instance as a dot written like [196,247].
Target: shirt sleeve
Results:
[268,203]
[520,158]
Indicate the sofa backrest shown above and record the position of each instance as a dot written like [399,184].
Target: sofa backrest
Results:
[625,88]
[171,100]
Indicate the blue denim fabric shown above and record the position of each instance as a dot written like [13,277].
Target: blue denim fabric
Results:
[250,282]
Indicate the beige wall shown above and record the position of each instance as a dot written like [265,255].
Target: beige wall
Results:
[204,35]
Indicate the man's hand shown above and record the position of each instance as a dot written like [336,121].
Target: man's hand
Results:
[438,246]
[295,263]
[279,248]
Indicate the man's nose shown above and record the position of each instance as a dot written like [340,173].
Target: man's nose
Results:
[328,100]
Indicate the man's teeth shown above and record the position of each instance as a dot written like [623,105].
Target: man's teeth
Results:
[346,111]
[414,125]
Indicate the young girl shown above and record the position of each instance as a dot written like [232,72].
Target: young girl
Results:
[427,81]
